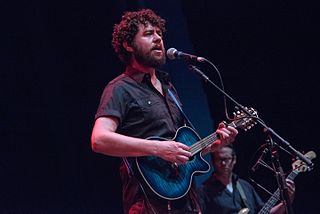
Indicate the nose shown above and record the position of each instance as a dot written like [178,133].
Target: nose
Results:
[157,37]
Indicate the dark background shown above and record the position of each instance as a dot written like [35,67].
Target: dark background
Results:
[56,58]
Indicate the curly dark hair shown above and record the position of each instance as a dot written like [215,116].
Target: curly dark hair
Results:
[128,28]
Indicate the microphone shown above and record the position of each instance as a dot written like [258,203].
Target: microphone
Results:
[256,165]
[173,53]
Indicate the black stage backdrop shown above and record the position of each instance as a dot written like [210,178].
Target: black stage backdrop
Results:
[56,58]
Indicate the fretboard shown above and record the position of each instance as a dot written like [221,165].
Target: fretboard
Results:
[203,143]
[276,195]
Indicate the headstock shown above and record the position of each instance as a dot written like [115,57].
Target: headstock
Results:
[300,165]
[245,121]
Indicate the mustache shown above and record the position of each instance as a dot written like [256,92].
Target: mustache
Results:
[158,47]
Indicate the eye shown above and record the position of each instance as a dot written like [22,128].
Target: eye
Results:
[148,33]
[159,33]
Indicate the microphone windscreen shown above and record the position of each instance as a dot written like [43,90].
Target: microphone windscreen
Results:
[171,52]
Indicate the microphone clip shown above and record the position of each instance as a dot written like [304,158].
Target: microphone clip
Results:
[198,71]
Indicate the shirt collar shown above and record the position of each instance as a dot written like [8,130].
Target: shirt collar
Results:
[135,74]
[141,77]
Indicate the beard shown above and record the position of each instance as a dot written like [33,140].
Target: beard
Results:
[147,58]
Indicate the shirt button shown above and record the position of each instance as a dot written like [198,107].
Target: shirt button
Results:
[149,102]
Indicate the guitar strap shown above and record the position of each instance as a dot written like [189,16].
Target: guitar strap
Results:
[190,124]
[243,196]
[179,107]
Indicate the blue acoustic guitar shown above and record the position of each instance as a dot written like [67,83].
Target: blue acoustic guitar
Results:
[171,181]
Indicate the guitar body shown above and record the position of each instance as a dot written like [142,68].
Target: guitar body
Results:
[171,181]
[167,180]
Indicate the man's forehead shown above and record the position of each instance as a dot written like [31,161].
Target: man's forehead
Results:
[223,151]
[148,26]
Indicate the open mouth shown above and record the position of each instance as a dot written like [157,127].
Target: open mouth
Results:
[157,48]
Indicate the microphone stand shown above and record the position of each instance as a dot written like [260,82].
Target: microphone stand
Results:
[275,157]
[280,176]
[257,119]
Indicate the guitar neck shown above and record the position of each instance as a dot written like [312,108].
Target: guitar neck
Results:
[203,143]
[276,195]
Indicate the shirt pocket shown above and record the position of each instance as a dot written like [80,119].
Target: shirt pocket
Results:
[153,108]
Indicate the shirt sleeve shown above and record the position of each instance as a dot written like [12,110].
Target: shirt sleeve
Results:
[112,102]
[256,201]
[259,202]
[202,198]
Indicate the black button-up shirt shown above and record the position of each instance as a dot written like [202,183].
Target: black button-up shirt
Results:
[215,198]
[142,112]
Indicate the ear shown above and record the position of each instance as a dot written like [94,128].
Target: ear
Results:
[127,47]
[234,159]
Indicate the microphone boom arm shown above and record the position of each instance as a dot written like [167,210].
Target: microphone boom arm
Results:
[258,120]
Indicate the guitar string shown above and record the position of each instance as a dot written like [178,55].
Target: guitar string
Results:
[195,148]
[205,141]
[276,195]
